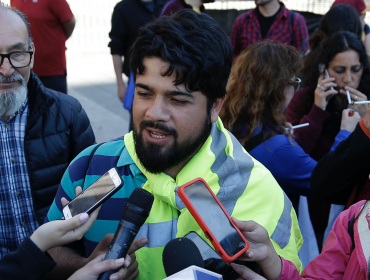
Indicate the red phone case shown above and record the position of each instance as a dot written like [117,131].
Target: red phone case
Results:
[203,225]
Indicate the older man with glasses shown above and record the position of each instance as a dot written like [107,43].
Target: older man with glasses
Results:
[41,131]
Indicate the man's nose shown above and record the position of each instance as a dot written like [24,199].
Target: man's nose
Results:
[6,69]
[158,110]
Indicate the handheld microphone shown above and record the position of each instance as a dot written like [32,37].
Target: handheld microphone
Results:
[180,253]
[134,214]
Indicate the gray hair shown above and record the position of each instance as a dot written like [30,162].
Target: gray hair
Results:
[4,6]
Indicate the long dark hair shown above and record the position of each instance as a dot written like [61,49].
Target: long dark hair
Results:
[339,18]
[340,42]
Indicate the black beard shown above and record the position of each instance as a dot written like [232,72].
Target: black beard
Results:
[155,159]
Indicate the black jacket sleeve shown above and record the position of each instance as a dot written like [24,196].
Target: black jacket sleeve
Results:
[27,262]
[337,173]
[119,32]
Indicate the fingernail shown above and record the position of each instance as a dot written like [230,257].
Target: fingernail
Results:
[114,277]
[120,261]
[128,263]
[84,217]
[144,241]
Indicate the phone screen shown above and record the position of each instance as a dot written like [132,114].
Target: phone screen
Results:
[215,218]
[92,195]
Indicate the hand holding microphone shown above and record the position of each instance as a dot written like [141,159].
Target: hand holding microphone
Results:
[134,215]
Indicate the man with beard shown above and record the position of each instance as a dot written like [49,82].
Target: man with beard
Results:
[181,64]
[270,20]
[41,131]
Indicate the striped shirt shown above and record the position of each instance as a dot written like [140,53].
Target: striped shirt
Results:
[107,156]
[17,218]
[288,27]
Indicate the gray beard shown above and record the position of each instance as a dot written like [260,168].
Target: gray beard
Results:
[12,101]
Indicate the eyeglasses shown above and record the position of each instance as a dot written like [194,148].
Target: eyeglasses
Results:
[297,84]
[17,59]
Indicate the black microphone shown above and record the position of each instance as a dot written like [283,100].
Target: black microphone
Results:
[134,214]
[180,253]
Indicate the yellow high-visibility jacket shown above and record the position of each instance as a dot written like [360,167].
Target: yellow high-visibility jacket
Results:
[244,186]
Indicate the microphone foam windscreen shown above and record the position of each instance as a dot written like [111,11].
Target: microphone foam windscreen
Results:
[141,199]
[180,253]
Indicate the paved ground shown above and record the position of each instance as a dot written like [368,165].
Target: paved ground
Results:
[91,80]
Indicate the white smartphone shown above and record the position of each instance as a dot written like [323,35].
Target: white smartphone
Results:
[95,195]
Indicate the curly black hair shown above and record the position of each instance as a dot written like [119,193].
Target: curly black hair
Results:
[196,48]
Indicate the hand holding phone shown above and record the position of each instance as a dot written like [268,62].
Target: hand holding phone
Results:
[57,233]
[324,89]
[95,195]
[213,219]
[261,249]
[326,75]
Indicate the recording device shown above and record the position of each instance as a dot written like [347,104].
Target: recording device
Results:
[179,254]
[212,261]
[213,219]
[95,195]
[134,214]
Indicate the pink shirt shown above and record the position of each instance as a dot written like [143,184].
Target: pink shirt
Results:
[338,260]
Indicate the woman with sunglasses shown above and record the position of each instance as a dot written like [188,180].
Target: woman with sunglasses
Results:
[262,83]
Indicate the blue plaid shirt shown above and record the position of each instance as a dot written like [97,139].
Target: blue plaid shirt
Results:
[17,218]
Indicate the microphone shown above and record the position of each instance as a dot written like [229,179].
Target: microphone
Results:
[134,214]
[180,253]
[182,261]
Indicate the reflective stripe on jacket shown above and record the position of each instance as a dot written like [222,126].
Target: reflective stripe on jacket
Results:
[245,187]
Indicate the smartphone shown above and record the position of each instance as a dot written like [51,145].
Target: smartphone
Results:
[212,261]
[326,75]
[213,219]
[95,195]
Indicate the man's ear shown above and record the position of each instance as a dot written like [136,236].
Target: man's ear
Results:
[216,108]
[33,56]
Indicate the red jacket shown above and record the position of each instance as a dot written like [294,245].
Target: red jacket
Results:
[338,260]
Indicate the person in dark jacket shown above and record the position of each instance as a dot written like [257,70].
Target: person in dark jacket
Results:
[128,16]
[342,176]
[41,131]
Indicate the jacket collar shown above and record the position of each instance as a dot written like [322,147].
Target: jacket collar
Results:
[39,100]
